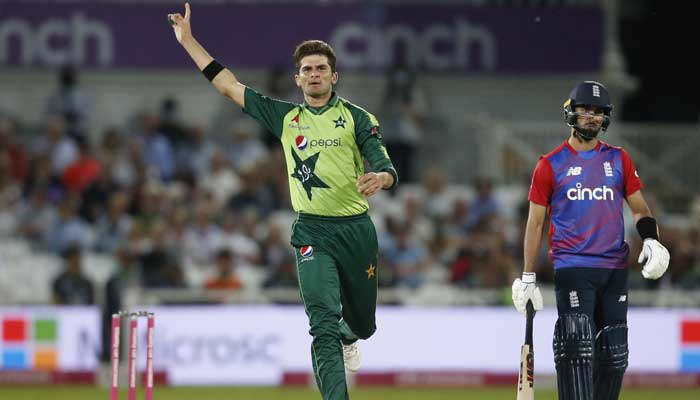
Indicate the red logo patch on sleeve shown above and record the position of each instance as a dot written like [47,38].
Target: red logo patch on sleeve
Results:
[374,130]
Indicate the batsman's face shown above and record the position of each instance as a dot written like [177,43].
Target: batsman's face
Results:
[589,118]
[315,77]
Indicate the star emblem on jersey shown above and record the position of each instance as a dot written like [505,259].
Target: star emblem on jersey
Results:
[340,122]
[304,173]
[370,271]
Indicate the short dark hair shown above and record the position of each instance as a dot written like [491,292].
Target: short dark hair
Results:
[224,254]
[70,251]
[313,47]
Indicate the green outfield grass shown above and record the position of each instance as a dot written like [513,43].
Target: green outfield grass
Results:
[246,393]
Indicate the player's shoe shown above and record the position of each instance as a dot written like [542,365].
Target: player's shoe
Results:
[351,357]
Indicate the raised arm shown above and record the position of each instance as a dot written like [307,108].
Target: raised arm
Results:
[224,81]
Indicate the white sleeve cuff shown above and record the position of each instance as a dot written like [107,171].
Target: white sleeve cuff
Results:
[529,277]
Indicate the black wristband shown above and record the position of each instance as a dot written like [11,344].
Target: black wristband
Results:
[646,227]
[391,171]
[212,70]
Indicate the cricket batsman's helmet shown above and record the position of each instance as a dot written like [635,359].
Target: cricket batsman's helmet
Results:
[587,93]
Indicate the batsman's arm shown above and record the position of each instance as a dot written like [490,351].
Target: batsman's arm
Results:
[533,235]
[223,79]
[638,206]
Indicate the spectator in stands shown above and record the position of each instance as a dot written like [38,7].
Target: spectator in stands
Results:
[60,148]
[95,197]
[156,149]
[82,172]
[233,237]
[36,215]
[406,257]
[275,248]
[70,102]
[436,197]
[68,229]
[254,193]
[220,180]
[18,166]
[169,123]
[71,286]
[159,266]
[405,108]
[121,157]
[225,277]
[283,274]
[485,206]
[202,237]
[413,212]
[10,194]
[193,156]
[247,150]
[493,264]
[148,201]
[113,226]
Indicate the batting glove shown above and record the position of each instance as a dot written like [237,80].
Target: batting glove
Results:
[525,289]
[656,257]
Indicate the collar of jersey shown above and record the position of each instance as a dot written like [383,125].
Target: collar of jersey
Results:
[320,110]
[584,154]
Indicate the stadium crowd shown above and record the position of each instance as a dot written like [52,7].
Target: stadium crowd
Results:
[178,207]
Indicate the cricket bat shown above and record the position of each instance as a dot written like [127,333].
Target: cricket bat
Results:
[526,375]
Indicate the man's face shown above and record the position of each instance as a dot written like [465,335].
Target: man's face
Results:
[315,77]
[589,118]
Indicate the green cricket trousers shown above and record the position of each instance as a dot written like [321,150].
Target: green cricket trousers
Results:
[336,260]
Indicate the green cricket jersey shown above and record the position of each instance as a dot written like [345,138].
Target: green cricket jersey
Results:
[324,148]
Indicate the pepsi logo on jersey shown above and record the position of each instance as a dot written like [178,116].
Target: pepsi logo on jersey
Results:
[306,251]
[302,142]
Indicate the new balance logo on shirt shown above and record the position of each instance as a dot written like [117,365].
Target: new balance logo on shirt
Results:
[573,171]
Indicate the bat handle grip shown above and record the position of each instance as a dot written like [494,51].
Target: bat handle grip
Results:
[530,309]
[530,315]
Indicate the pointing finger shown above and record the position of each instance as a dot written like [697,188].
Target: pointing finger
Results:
[188,13]
[175,18]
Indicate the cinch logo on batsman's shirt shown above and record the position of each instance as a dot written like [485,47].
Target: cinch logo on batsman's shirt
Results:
[302,142]
[28,343]
[583,193]
[690,345]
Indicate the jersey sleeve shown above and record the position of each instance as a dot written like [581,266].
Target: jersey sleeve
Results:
[267,111]
[369,140]
[542,184]
[631,179]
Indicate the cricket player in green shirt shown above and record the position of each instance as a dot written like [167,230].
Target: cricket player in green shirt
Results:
[326,140]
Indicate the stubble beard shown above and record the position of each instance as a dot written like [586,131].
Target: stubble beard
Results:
[319,93]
